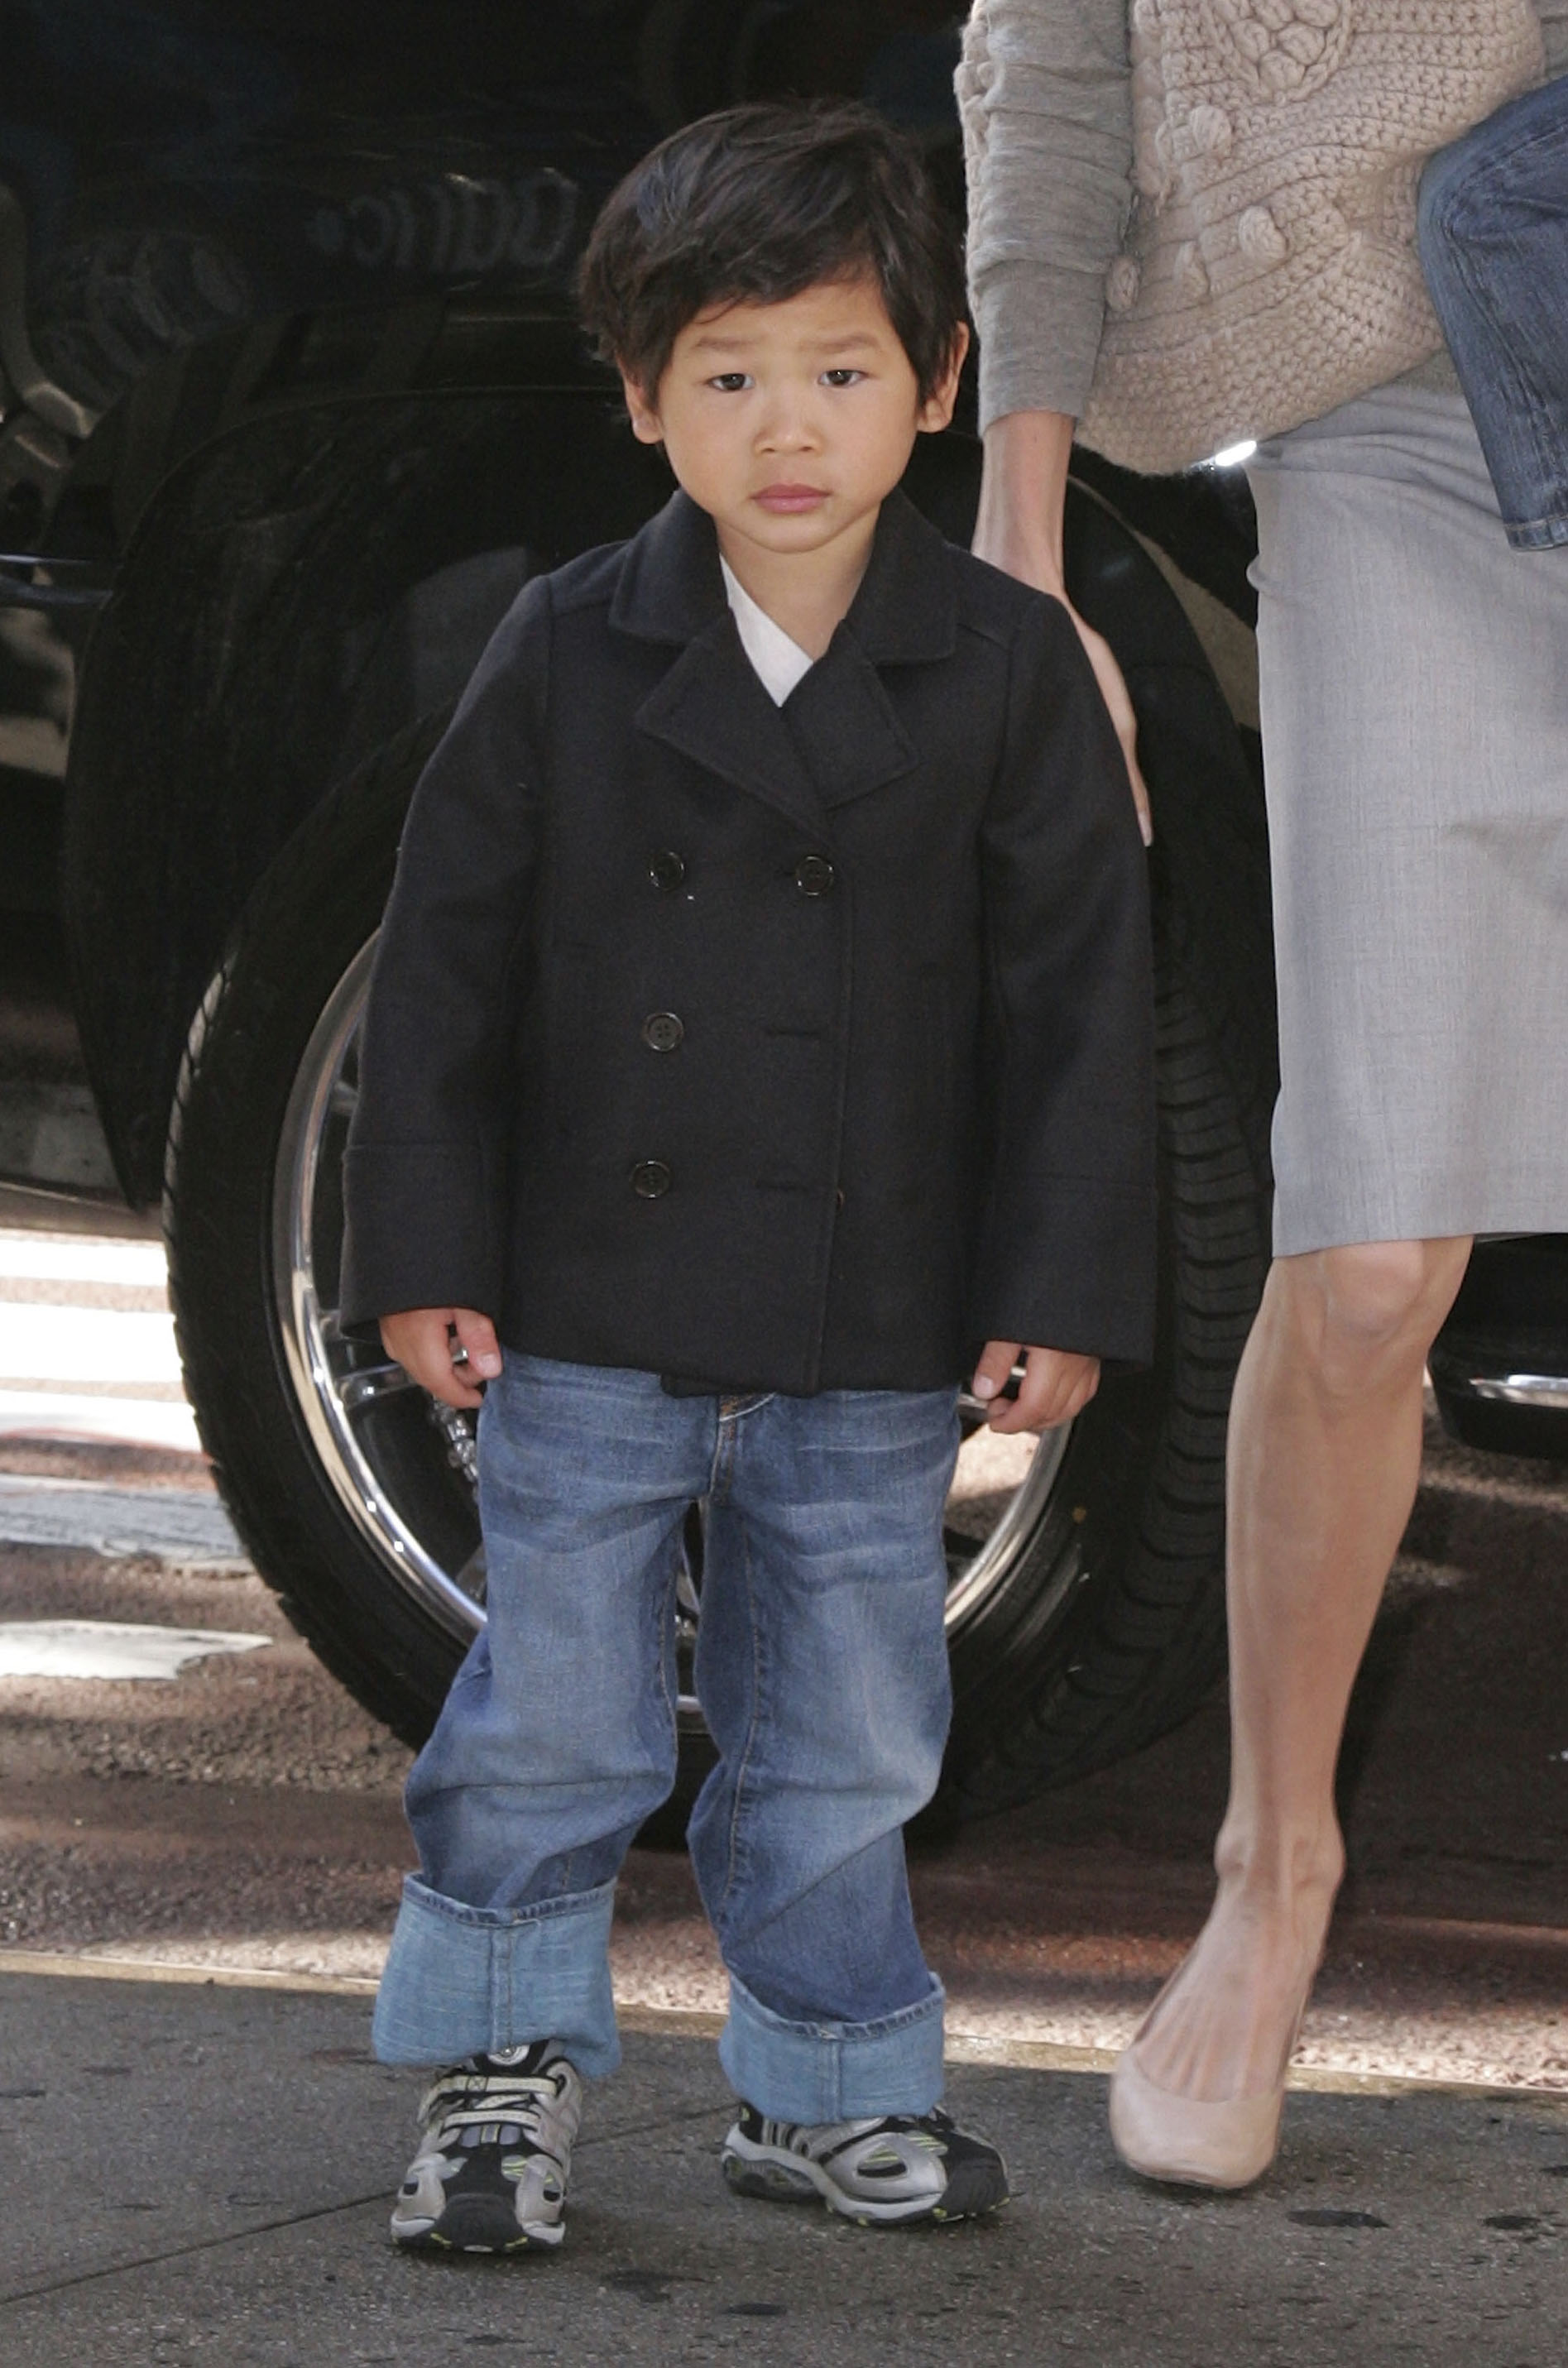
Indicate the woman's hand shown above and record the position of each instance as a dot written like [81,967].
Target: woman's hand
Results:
[1057,1385]
[440,1347]
[1114,692]
[1023,495]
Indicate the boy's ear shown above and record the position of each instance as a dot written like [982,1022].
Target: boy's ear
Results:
[937,411]
[645,422]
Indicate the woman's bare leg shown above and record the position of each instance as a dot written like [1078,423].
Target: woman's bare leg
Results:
[1325,1457]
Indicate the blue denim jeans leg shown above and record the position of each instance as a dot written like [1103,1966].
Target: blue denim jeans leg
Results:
[822,1669]
[1493,232]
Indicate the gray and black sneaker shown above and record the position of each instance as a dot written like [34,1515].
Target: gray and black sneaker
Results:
[901,2168]
[489,2175]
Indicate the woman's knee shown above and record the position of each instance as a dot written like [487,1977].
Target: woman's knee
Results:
[1373,1306]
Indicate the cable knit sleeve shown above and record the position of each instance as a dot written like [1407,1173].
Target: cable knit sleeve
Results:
[1044,95]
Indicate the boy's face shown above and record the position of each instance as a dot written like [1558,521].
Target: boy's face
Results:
[792,423]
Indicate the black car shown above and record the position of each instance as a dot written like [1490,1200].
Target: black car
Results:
[292,403]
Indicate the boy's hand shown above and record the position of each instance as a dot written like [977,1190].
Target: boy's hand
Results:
[421,1340]
[1056,1385]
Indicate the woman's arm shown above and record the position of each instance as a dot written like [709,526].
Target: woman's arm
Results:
[1044,90]
[1023,495]
[1044,93]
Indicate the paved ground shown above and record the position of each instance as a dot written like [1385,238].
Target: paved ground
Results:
[196,2174]
[191,2173]
[246,1814]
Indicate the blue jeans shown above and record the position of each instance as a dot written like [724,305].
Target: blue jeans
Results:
[1493,228]
[821,1670]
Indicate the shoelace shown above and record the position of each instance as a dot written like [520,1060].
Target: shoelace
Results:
[804,2136]
[519,2098]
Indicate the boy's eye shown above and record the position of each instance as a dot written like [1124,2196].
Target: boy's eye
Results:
[731,381]
[842,377]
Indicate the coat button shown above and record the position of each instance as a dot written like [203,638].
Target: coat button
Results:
[813,875]
[650,1180]
[666,870]
[662,1032]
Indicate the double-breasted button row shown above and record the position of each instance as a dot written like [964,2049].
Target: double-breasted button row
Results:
[667,871]
[662,1032]
[650,1180]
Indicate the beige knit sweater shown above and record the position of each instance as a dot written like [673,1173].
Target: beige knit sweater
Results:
[1047,96]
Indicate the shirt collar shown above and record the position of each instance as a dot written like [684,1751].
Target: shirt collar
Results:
[779,658]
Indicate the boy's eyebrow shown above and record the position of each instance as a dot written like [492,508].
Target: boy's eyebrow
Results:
[714,341]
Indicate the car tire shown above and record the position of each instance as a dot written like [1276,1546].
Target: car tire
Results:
[1086,1614]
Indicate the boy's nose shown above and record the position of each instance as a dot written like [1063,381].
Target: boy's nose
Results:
[790,428]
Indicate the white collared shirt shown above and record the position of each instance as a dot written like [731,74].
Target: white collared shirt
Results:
[779,663]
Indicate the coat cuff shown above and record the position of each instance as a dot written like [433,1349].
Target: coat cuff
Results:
[450,1259]
[1076,1271]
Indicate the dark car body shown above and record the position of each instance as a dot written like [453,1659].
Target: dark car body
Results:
[293,401]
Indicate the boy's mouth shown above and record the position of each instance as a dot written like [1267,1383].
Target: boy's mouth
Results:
[785,499]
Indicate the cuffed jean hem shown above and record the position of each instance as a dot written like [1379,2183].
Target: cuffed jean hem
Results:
[462,1981]
[834,2071]
[1539,534]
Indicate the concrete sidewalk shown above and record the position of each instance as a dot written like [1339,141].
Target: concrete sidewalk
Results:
[203,2174]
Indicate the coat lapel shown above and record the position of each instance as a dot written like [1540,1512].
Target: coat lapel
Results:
[711,708]
[846,726]
[838,734]
[903,614]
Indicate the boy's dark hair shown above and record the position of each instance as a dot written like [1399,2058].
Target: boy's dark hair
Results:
[758,204]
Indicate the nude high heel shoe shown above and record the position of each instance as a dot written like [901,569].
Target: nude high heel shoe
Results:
[1168,2137]
[1186,2142]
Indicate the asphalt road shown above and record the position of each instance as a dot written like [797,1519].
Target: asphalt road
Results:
[197,1870]
[200,2175]
[245,1813]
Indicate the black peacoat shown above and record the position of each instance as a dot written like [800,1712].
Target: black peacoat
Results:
[789,1048]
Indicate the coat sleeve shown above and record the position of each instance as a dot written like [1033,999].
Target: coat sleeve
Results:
[1067,1248]
[1045,100]
[425,1174]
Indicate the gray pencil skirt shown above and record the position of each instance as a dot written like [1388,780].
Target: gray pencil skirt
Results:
[1414,698]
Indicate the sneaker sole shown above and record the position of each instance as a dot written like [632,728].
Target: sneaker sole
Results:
[475,2225]
[776,2179]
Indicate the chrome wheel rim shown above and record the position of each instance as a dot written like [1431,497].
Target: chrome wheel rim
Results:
[343,1387]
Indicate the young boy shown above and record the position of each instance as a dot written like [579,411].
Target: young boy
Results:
[1493,230]
[761,1023]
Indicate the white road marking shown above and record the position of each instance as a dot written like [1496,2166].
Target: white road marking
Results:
[69,1257]
[110,1649]
[177,1524]
[79,1344]
[122,1362]
[125,1422]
